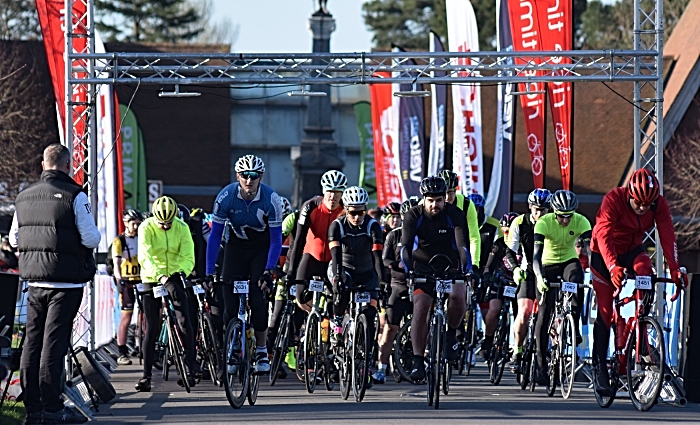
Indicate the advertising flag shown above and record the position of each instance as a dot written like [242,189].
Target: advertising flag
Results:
[368,181]
[438,114]
[385,129]
[133,162]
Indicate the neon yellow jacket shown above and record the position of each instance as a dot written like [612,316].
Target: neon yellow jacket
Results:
[473,226]
[165,252]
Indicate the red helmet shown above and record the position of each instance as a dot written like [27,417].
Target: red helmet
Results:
[643,187]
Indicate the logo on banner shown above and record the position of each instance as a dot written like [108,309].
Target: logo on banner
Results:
[534,146]
[416,164]
[387,143]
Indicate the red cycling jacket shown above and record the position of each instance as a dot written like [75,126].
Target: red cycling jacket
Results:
[312,232]
[618,229]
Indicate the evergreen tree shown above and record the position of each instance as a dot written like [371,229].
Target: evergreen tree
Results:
[19,20]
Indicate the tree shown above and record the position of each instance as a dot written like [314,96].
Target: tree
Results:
[19,20]
[215,31]
[169,21]
[681,189]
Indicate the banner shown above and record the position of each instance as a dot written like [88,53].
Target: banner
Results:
[385,129]
[498,201]
[467,152]
[438,114]
[555,17]
[51,18]
[525,31]
[368,180]
[411,138]
[133,163]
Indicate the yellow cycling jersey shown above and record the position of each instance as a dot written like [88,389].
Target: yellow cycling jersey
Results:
[559,241]
[127,248]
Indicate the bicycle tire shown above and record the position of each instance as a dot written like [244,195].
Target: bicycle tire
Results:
[166,362]
[254,379]
[236,384]
[567,356]
[179,357]
[446,369]
[403,352]
[311,342]
[436,358]
[327,363]
[470,342]
[552,371]
[645,378]
[361,357]
[279,350]
[499,350]
[533,369]
[614,373]
[525,361]
[398,378]
[211,348]
[344,366]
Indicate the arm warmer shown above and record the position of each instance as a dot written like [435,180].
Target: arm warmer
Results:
[217,230]
[273,255]
[378,265]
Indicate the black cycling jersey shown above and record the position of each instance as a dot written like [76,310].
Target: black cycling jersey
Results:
[496,260]
[357,245]
[392,257]
[488,233]
[522,239]
[423,237]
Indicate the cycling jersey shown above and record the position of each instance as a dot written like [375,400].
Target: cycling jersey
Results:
[497,258]
[619,230]
[472,226]
[488,232]
[164,252]
[559,241]
[392,257]
[127,248]
[357,245]
[521,236]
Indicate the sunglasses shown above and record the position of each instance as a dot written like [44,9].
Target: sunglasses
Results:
[563,215]
[640,205]
[356,213]
[250,175]
[165,223]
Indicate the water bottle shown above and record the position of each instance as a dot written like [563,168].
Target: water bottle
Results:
[325,325]
[620,333]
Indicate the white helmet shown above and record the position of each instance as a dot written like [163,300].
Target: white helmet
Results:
[333,180]
[250,163]
[355,197]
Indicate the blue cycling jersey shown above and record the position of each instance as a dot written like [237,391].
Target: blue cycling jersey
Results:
[248,219]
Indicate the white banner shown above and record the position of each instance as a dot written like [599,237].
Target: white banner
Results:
[438,115]
[467,151]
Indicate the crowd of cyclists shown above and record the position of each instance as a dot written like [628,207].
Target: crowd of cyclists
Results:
[388,261]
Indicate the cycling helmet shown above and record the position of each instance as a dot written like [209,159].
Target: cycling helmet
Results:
[478,200]
[540,198]
[643,187]
[433,185]
[197,214]
[131,215]
[250,163]
[147,214]
[355,197]
[165,209]
[286,206]
[184,213]
[407,205]
[564,202]
[508,218]
[392,208]
[450,178]
[334,180]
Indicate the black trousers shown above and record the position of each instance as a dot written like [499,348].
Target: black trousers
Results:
[245,264]
[50,315]
[152,312]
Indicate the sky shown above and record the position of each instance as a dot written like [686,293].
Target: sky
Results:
[280,26]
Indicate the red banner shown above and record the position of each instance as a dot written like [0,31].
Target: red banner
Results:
[51,19]
[556,18]
[384,127]
[525,30]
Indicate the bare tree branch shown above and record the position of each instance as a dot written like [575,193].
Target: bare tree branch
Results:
[682,188]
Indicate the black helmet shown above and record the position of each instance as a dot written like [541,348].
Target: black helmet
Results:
[408,204]
[564,202]
[184,213]
[392,208]
[131,215]
[432,186]
[450,178]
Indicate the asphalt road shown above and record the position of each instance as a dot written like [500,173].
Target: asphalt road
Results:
[472,399]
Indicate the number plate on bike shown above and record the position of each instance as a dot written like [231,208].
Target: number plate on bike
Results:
[362,297]
[642,282]
[198,289]
[159,291]
[569,287]
[509,291]
[141,287]
[316,286]
[293,290]
[240,286]
[444,286]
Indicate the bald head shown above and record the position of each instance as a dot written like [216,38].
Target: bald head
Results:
[56,157]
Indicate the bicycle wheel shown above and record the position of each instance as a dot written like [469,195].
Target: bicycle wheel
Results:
[526,360]
[211,348]
[532,373]
[436,361]
[552,371]
[279,350]
[311,341]
[178,350]
[165,365]
[236,379]
[567,356]
[344,364]
[398,378]
[403,352]
[327,364]
[446,370]
[254,379]
[499,350]
[645,363]
[471,341]
[361,357]
[605,401]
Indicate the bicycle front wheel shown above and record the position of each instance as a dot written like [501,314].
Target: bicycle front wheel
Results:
[211,348]
[254,379]
[344,363]
[645,363]
[499,350]
[312,339]
[236,371]
[361,357]
[279,351]
[567,355]
[606,401]
[403,352]
[178,351]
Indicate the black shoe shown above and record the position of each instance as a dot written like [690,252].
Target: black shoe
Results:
[602,382]
[418,374]
[514,364]
[542,378]
[486,348]
[144,385]
[190,380]
[33,418]
[64,416]
[281,374]
[451,345]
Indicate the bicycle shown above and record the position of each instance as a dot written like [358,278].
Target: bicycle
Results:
[526,376]
[316,345]
[499,355]
[208,350]
[402,350]
[472,335]
[640,350]
[239,380]
[562,335]
[285,330]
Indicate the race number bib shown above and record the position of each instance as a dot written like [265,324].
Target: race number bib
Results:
[159,291]
[293,290]
[509,291]
[444,286]
[362,297]
[569,287]
[316,286]
[642,282]
[198,289]
[141,287]
[240,286]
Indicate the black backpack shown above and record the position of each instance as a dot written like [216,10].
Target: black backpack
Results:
[109,261]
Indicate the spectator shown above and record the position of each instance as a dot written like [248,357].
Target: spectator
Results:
[55,232]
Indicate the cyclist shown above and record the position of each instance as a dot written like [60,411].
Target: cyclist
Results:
[435,227]
[253,212]
[392,217]
[555,257]
[464,204]
[521,241]
[310,254]
[617,248]
[166,255]
[399,305]
[356,242]
[127,273]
